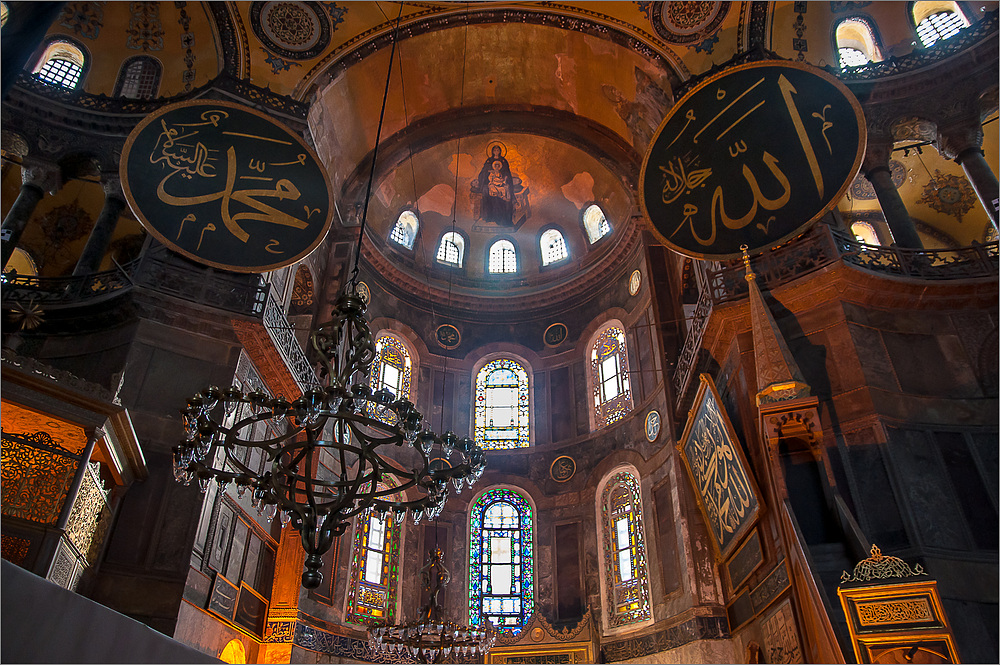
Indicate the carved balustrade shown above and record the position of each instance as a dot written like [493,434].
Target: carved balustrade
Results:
[55,292]
[282,335]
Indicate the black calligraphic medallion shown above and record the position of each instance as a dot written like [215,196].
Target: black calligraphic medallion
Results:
[562,468]
[226,185]
[752,155]
[555,334]
[448,336]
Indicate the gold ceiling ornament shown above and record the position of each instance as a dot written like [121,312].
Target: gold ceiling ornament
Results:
[881,567]
[27,316]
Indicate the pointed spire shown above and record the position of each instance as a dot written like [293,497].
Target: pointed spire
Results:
[778,375]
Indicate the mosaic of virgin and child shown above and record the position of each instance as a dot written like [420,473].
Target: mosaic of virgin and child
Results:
[498,195]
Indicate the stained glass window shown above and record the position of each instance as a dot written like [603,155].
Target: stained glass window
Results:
[625,566]
[451,251]
[553,247]
[501,560]
[371,594]
[609,368]
[391,371]
[595,223]
[405,231]
[502,405]
[503,257]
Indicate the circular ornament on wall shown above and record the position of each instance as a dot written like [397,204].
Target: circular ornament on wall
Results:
[293,30]
[562,469]
[652,425]
[634,282]
[687,21]
[364,292]
[862,190]
[555,335]
[448,336]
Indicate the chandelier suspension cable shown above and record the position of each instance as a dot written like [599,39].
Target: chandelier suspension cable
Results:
[353,281]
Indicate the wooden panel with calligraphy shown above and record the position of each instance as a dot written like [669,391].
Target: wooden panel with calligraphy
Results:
[715,463]
[752,155]
[226,185]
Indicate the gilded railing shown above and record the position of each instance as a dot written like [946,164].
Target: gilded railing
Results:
[91,516]
[36,475]
[282,335]
[53,292]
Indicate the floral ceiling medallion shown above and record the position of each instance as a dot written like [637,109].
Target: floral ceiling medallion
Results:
[950,194]
[862,190]
[293,30]
[685,21]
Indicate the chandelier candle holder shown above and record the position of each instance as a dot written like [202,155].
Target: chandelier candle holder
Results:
[335,445]
[431,638]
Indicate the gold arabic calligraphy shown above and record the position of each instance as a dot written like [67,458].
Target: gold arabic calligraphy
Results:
[681,175]
[718,474]
[181,151]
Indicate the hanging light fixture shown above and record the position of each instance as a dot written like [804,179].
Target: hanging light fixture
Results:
[432,638]
[332,448]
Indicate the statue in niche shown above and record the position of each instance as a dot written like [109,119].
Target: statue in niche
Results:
[499,197]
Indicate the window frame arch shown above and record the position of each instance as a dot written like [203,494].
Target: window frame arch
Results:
[123,71]
[583,223]
[927,8]
[529,373]
[462,251]
[481,503]
[489,252]
[397,536]
[595,379]
[48,51]
[549,228]
[409,382]
[416,232]
[866,226]
[612,621]
[870,40]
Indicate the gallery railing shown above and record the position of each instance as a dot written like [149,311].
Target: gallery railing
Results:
[53,292]
[282,335]
[817,248]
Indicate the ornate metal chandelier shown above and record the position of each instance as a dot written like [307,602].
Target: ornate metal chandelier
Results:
[431,638]
[326,466]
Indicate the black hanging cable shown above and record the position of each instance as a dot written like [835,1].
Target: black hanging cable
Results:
[353,281]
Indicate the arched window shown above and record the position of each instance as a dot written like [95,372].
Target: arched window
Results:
[856,43]
[624,542]
[139,78]
[595,223]
[234,653]
[865,232]
[502,405]
[503,257]
[937,20]
[389,371]
[501,560]
[61,64]
[405,231]
[553,247]
[451,251]
[4,13]
[371,593]
[609,371]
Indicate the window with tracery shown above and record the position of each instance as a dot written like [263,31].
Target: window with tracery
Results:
[609,369]
[501,420]
[389,371]
[61,64]
[937,20]
[595,223]
[405,230]
[139,78]
[503,257]
[501,560]
[553,247]
[625,566]
[371,594]
[856,43]
[451,251]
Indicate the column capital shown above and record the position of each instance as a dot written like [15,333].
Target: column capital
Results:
[877,154]
[112,185]
[42,174]
[957,138]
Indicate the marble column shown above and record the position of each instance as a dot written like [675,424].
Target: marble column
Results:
[963,143]
[36,179]
[74,489]
[104,228]
[876,169]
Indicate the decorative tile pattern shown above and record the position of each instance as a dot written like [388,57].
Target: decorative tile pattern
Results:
[292,30]
[950,194]
[187,43]
[685,22]
[83,18]
[145,31]
[862,190]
